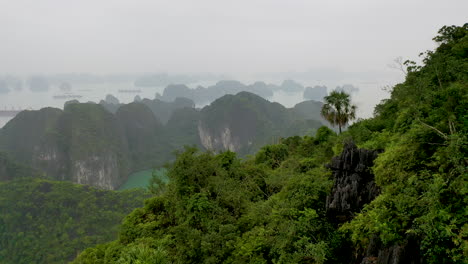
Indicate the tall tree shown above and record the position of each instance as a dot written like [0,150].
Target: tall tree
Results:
[338,109]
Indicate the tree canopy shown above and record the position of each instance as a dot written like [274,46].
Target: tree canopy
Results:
[44,221]
[338,109]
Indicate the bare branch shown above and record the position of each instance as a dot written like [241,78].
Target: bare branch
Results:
[398,64]
[442,134]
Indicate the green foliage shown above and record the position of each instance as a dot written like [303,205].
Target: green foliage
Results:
[217,208]
[323,134]
[423,171]
[10,169]
[44,221]
[338,109]
[272,155]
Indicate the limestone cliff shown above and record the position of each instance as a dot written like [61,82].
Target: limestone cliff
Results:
[100,170]
[244,122]
[83,144]
[96,146]
[49,156]
[235,122]
[224,140]
[406,252]
[353,188]
[354,182]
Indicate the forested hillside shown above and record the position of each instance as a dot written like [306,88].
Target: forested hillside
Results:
[43,221]
[273,207]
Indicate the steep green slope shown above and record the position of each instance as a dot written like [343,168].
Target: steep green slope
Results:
[244,122]
[182,129]
[43,221]
[145,136]
[24,133]
[423,172]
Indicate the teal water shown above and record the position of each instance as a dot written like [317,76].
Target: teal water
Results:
[141,179]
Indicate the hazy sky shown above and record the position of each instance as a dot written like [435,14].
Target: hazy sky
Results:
[234,37]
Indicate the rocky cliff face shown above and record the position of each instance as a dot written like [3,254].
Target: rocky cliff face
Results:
[354,187]
[96,146]
[98,170]
[235,122]
[354,182]
[83,144]
[244,122]
[51,158]
[219,140]
[406,252]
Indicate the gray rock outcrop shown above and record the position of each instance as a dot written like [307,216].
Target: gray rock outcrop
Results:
[354,182]
[355,187]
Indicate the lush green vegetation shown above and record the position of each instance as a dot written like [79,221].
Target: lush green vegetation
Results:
[423,171]
[338,109]
[10,169]
[270,208]
[142,179]
[217,208]
[43,221]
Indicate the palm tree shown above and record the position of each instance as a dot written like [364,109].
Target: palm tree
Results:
[338,109]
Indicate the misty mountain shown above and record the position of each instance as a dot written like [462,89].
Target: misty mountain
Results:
[316,93]
[4,87]
[88,144]
[201,95]
[348,88]
[163,79]
[38,84]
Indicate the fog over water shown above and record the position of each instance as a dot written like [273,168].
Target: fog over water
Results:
[312,42]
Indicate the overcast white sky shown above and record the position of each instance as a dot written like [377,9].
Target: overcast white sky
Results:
[233,37]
